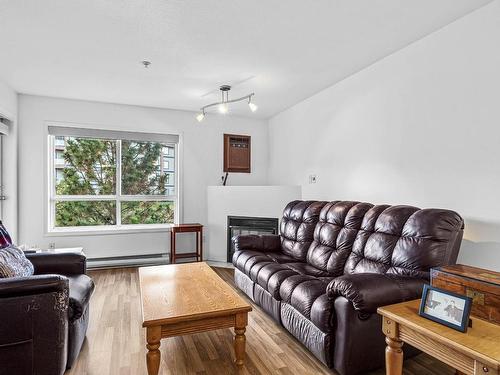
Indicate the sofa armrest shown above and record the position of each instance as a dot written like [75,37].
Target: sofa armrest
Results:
[38,284]
[264,242]
[368,291]
[62,264]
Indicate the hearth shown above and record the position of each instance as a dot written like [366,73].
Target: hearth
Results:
[248,225]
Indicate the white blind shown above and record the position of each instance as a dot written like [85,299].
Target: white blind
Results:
[68,131]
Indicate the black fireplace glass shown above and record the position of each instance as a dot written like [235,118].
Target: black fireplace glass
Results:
[240,225]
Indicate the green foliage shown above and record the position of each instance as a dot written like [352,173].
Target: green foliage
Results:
[91,170]
[147,212]
[139,167]
[85,213]
[91,167]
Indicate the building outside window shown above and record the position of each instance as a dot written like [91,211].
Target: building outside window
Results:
[109,180]
[59,142]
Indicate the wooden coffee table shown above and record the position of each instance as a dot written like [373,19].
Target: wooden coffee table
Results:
[182,299]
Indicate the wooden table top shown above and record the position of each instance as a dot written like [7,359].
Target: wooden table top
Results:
[482,340]
[183,292]
[186,225]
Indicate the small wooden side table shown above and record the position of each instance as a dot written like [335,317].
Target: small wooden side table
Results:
[187,228]
[472,353]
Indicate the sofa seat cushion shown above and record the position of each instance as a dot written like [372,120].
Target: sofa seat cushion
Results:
[280,257]
[307,269]
[244,260]
[81,288]
[270,276]
[307,294]
[270,269]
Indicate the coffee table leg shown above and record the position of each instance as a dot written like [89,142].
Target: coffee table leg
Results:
[153,337]
[393,356]
[241,321]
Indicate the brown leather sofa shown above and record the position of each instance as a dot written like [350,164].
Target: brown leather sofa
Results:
[334,263]
[44,318]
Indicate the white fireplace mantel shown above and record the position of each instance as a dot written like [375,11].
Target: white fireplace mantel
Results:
[256,201]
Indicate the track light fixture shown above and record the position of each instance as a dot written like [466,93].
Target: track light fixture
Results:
[253,106]
[200,116]
[223,108]
[223,105]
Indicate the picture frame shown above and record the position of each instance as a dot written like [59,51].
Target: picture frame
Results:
[445,307]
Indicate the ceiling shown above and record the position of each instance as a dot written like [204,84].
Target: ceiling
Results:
[284,51]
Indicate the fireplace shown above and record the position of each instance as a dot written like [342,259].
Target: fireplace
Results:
[248,225]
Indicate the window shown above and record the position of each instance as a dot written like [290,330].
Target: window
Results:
[111,180]
[59,142]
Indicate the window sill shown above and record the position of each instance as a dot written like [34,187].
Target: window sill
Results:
[98,231]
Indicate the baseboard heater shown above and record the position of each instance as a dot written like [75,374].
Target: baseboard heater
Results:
[128,261]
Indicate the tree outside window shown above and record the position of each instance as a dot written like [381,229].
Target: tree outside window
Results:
[100,182]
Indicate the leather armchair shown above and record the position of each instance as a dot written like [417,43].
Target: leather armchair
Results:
[44,318]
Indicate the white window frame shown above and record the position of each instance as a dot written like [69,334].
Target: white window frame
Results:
[118,198]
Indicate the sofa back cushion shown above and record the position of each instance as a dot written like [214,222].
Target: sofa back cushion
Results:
[334,235]
[354,237]
[297,227]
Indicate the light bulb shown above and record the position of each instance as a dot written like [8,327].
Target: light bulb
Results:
[253,106]
[200,116]
[223,108]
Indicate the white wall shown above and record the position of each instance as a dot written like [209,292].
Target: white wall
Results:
[8,100]
[420,127]
[8,109]
[202,164]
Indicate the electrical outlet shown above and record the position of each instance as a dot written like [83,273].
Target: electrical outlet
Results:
[52,245]
[312,179]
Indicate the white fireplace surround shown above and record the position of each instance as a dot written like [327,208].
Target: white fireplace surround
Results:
[255,201]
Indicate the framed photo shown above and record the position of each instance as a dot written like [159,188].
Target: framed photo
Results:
[447,308]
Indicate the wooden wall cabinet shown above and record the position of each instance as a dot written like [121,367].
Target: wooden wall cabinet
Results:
[237,156]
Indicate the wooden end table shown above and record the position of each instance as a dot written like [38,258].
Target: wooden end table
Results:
[187,228]
[472,353]
[183,299]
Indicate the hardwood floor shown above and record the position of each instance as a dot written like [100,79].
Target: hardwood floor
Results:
[115,342]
